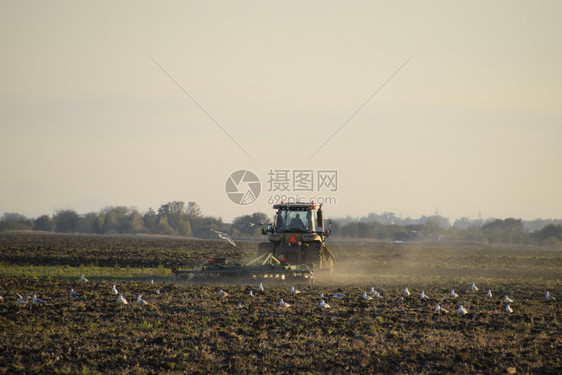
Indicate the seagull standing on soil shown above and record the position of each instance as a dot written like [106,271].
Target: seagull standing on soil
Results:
[506,299]
[423,296]
[339,295]
[294,290]
[222,293]
[251,293]
[406,291]
[114,290]
[157,291]
[508,308]
[474,287]
[74,294]
[141,301]
[83,279]
[260,287]
[462,310]
[549,297]
[323,304]
[438,308]
[489,293]
[453,294]
[36,299]
[366,297]
[283,304]
[20,299]
[373,291]
[121,300]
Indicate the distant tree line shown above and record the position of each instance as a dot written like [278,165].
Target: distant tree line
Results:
[185,219]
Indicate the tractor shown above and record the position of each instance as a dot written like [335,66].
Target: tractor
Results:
[297,236]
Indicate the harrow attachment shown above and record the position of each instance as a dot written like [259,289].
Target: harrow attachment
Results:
[265,268]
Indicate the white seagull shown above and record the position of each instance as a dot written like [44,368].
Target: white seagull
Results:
[157,291]
[423,296]
[506,299]
[226,237]
[339,295]
[366,297]
[121,300]
[74,294]
[406,291]
[322,295]
[222,293]
[294,290]
[260,287]
[239,305]
[323,304]
[453,294]
[283,304]
[141,301]
[473,287]
[372,291]
[439,308]
[251,293]
[36,299]
[549,297]
[83,278]
[462,310]
[508,308]
[489,293]
[114,290]
[20,299]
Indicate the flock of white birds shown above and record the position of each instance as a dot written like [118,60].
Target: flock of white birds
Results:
[121,300]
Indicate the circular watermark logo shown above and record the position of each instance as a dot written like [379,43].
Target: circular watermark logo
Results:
[243,187]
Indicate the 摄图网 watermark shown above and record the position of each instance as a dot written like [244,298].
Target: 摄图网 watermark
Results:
[243,187]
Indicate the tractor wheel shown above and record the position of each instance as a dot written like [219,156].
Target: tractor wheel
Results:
[266,248]
[319,255]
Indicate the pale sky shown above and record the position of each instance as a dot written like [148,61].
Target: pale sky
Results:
[471,124]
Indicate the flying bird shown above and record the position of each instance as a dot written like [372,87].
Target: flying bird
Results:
[423,295]
[506,299]
[122,300]
[74,294]
[36,299]
[508,308]
[489,293]
[226,237]
[83,279]
[549,297]
[473,287]
[462,310]
[294,290]
[323,304]
[366,297]
[283,304]
[406,291]
[222,293]
[114,290]
[453,294]
[141,301]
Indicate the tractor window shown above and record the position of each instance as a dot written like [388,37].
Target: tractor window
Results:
[293,221]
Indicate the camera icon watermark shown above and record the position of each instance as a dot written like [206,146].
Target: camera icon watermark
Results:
[243,187]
